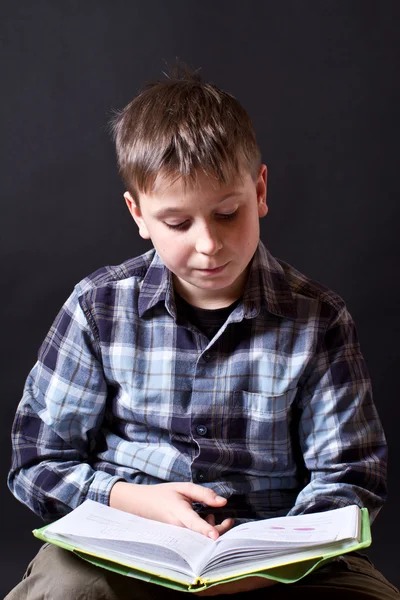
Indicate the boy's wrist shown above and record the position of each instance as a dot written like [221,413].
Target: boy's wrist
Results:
[100,487]
[117,497]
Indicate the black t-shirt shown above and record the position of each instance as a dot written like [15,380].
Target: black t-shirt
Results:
[208,321]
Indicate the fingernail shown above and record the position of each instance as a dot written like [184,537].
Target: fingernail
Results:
[219,498]
[213,535]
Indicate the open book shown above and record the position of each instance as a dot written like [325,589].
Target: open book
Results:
[284,548]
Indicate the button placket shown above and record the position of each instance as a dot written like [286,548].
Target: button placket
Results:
[204,388]
[200,476]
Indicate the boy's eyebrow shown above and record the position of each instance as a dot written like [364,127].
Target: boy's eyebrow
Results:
[175,209]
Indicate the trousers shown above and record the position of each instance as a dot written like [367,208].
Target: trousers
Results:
[57,574]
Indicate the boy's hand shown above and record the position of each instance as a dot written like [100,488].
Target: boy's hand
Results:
[171,503]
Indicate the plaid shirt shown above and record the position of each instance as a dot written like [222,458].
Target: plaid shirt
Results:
[275,412]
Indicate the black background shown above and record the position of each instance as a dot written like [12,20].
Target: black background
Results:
[321,82]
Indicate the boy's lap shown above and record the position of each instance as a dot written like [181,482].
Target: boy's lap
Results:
[350,576]
[59,574]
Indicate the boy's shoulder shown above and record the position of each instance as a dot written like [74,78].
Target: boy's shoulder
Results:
[304,286]
[291,292]
[131,271]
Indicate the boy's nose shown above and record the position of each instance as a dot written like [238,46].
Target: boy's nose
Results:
[208,241]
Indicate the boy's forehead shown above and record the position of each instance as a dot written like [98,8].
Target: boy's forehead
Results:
[169,185]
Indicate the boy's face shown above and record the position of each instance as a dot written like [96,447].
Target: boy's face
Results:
[206,236]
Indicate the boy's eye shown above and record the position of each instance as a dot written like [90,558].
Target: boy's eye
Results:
[227,215]
[186,224]
[178,226]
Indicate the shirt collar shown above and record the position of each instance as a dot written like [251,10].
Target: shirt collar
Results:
[267,286]
[156,286]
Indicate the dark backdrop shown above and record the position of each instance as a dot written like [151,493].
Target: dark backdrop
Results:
[321,81]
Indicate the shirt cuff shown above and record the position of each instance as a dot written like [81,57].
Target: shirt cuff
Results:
[100,487]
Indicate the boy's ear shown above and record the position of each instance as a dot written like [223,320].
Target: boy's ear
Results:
[261,187]
[137,216]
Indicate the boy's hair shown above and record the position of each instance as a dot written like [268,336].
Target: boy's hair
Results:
[178,126]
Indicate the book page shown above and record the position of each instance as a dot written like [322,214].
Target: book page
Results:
[300,530]
[134,551]
[156,561]
[247,565]
[96,521]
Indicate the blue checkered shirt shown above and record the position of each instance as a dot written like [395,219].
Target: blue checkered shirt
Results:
[275,412]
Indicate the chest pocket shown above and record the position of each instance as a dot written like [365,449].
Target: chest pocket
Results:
[258,428]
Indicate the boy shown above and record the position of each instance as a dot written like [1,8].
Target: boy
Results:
[205,382]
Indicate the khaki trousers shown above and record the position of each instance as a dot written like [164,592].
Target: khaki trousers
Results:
[56,574]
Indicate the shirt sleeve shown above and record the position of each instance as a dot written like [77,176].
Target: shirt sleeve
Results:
[58,419]
[342,441]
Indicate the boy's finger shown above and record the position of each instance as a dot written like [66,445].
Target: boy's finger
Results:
[190,519]
[210,519]
[225,526]
[203,494]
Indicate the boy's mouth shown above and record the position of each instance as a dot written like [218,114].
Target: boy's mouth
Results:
[213,271]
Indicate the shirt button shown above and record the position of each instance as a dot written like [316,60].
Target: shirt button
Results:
[207,356]
[201,429]
[200,476]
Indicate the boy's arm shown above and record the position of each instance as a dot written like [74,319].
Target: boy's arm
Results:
[58,418]
[340,433]
[58,423]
